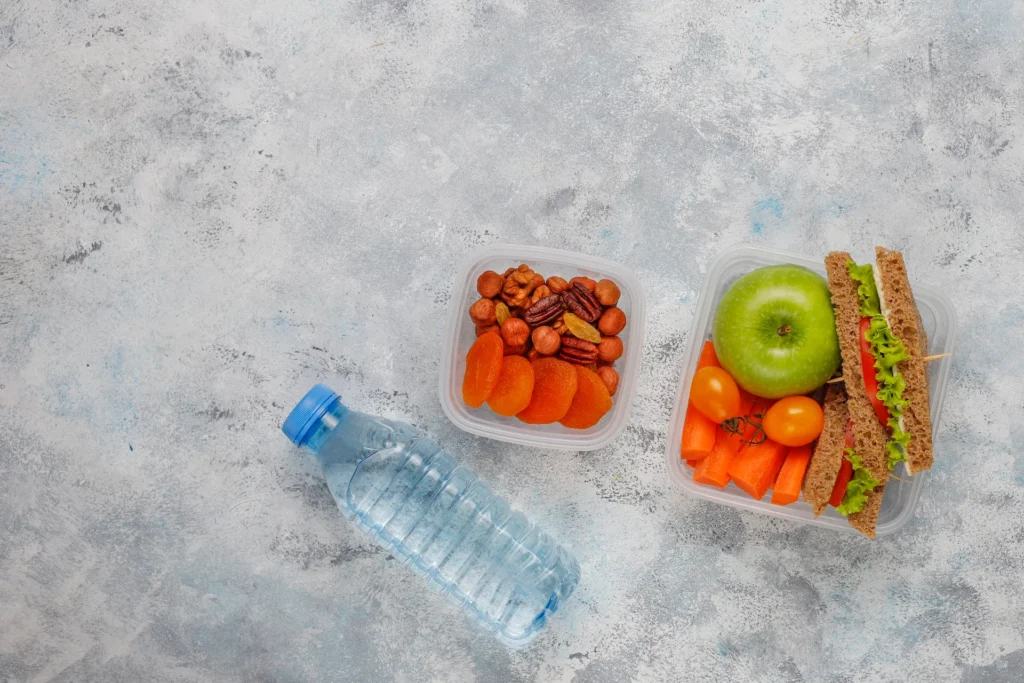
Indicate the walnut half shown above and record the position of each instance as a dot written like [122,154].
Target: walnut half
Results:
[518,286]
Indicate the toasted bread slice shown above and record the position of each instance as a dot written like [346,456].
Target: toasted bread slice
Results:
[905,322]
[827,457]
[868,433]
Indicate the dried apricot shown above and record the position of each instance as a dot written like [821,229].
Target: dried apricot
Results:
[483,366]
[590,403]
[554,385]
[514,389]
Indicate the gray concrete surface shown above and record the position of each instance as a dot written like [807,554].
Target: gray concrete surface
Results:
[205,207]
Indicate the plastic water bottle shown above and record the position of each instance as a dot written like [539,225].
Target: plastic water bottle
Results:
[436,516]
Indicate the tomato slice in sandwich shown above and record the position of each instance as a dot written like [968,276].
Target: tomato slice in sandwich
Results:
[845,471]
[867,361]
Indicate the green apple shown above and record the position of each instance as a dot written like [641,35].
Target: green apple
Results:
[775,331]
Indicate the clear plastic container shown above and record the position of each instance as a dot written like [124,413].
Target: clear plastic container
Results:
[460,335]
[901,497]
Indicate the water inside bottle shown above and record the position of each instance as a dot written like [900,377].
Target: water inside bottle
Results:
[446,524]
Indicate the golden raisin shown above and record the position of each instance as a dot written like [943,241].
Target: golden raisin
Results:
[581,328]
[501,312]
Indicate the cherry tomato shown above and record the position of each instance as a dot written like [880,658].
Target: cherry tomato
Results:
[794,421]
[867,362]
[715,394]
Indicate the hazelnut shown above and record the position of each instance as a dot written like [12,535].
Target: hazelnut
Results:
[489,284]
[609,377]
[515,332]
[612,321]
[610,348]
[607,293]
[482,312]
[546,340]
[557,285]
[484,329]
[587,282]
[539,294]
[517,350]
[536,281]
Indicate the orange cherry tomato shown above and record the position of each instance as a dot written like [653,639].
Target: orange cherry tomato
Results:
[715,394]
[794,421]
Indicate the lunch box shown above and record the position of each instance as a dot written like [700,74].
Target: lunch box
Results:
[901,496]
[460,335]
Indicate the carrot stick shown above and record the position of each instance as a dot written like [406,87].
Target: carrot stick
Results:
[708,357]
[839,490]
[714,469]
[699,431]
[791,476]
[755,467]
[698,435]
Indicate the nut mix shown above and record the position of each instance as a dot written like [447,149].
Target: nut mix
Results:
[607,292]
[573,321]
[518,286]
[612,321]
[489,284]
[609,377]
[582,302]
[546,340]
[515,332]
[544,311]
[482,312]
[578,351]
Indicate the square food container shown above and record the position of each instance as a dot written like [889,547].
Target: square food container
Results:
[460,335]
[901,497]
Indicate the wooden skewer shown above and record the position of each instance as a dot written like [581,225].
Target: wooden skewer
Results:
[926,359]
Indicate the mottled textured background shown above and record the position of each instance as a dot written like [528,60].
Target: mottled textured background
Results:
[205,207]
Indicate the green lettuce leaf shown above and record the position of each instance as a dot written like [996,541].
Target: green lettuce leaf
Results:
[861,483]
[887,349]
[896,447]
[865,275]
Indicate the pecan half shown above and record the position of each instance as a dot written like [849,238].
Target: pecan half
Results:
[578,351]
[544,312]
[582,302]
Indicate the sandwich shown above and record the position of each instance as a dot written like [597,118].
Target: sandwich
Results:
[882,411]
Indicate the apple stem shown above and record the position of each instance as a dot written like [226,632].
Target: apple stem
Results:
[784,330]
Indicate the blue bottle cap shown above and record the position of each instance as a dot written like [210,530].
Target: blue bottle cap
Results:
[307,412]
